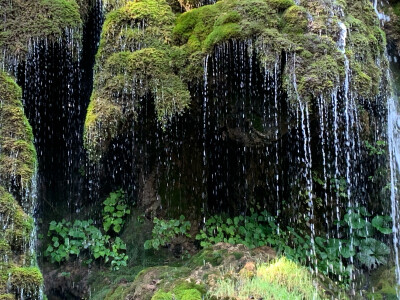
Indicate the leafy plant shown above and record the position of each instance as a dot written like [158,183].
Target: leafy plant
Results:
[377,149]
[165,230]
[252,231]
[332,257]
[71,239]
[82,236]
[114,211]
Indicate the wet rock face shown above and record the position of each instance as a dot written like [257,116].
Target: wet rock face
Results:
[17,154]
[256,110]
[25,26]
[25,22]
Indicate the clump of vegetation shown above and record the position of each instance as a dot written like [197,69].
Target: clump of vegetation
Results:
[18,155]
[83,236]
[279,279]
[164,231]
[23,21]
[114,211]
[333,257]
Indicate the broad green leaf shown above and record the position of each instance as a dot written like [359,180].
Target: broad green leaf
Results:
[354,220]
[347,251]
[382,224]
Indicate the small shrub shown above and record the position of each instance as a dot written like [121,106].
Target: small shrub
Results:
[165,230]
[114,211]
[71,239]
[82,236]
[333,257]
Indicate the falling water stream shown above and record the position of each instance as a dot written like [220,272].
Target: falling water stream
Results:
[394,154]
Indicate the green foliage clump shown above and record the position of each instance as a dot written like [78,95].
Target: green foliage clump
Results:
[280,279]
[72,239]
[246,230]
[330,256]
[166,230]
[82,236]
[377,149]
[114,211]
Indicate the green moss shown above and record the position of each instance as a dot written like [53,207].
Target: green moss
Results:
[215,258]
[168,52]
[222,33]
[35,19]
[383,284]
[17,225]
[185,290]
[29,278]
[161,295]
[322,75]
[182,290]
[118,293]
[7,297]
[146,60]
[18,155]
[280,4]
[123,28]
[295,20]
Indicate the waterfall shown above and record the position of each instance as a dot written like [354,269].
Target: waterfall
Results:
[394,155]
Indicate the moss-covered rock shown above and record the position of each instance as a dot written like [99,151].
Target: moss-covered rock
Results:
[193,281]
[28,279]
[181,291]
[35,19]
[142,69]
[17,225]
[17,169]
[159,54]
[383,284]
[17,155]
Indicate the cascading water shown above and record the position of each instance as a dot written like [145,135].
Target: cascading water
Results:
[394,157]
